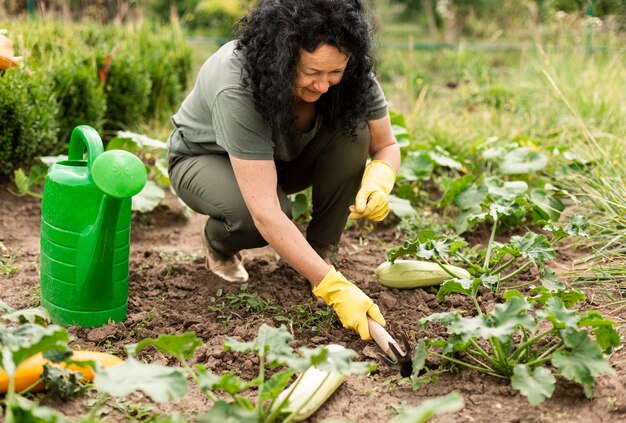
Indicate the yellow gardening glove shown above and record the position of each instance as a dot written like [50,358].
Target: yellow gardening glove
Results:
[350,303]
[371,200]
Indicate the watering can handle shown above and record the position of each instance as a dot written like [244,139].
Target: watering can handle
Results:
[84,136]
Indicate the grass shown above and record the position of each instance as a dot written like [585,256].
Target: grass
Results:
[551,96]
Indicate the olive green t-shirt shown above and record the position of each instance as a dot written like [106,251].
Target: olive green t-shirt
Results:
[218,115]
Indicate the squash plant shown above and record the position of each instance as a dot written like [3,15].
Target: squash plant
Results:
[272,348]
[526,338]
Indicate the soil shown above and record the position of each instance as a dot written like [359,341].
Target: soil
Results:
[171,292]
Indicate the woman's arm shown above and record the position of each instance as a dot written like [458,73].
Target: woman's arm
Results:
[258,183]
[383,144]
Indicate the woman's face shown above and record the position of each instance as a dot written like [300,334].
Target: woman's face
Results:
[317,71]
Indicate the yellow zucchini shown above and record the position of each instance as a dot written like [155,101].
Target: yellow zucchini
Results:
[406,274]
[30,370]
[306,396]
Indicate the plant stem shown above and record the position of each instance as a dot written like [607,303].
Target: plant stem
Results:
[483,353]
[280,406]
[467,261]
[504,266]
[495,342]
[478,309]
[462,363]
[528,343]
[476,360]
[551,350]
[259,404]
[516,272]
[445,269]
[523,284]
[491,238]
[10,400]
[540,361]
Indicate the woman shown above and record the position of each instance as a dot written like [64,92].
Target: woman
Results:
[292,103]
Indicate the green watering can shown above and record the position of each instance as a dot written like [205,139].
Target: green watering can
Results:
[85,232]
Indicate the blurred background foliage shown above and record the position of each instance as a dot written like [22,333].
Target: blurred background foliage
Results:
[444,20]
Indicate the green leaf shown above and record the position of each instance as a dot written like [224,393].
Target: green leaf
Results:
[549,280]
[160,383]
[224,412]
[442,158]
[270,342]
[429,408]
[561,317]
[160,175]
[570,297]
[25,411]
[547,206]
[445,318]
[606,336]
[416,167]
[419,358]
[299,205]
[500,324]
[123,143]
[148,198]
[467,287]
[30,315]
[180,346]
[536,385]
[523,160]
[401,207]
[468,328]
[471,198]
[228,382]
[577,225]
[62,382]
[454,188]
[328,360]
[21,182]
[26,340]
[513,313]
[505,192]
[513,293]
[583,363]
[275,384]
[535,247]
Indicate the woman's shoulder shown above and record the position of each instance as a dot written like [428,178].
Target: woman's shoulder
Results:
[225,67]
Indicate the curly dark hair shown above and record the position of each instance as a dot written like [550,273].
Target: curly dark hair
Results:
[273,34]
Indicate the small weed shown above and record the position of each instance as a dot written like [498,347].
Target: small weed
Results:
[135,412]
[7,262]
[250,303]
[170,258]
[307,317]
[147,318]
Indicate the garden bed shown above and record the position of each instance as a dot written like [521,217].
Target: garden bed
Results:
[171,292]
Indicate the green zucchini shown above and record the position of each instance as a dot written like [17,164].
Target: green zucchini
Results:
[407,274]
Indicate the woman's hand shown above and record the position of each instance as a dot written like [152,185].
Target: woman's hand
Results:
[380,174]
[350,303]
[372,200]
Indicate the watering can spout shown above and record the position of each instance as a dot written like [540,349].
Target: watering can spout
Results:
[119,175]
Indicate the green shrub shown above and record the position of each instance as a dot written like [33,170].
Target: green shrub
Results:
[216,17]
[168,65]
[80,96]
[28,119]
[127,91]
